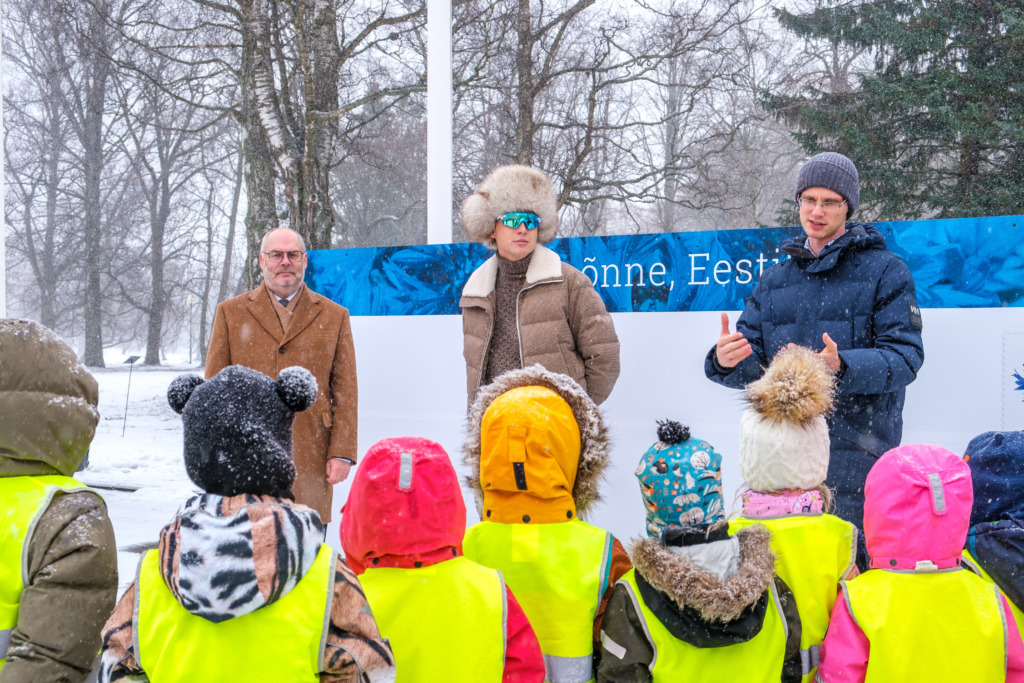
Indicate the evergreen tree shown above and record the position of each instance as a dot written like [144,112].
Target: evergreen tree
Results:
[937,128]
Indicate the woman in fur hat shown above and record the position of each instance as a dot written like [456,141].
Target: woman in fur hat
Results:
[784,456]
[536,450]
[698,605]
[524,306]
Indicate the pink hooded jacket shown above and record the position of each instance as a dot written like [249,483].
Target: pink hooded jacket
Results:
[903,528]
[409,512]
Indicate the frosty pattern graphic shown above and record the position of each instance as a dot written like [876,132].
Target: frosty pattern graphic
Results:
[956,263]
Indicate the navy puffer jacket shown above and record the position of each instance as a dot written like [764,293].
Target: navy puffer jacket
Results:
[863,296]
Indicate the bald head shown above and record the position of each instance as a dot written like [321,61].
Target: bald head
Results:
[283,261]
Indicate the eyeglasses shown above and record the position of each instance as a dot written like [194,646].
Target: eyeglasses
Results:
[514,219]
[828,206]
[276,257]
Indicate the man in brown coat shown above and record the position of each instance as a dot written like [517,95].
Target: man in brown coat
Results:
[283,323]
[524,305]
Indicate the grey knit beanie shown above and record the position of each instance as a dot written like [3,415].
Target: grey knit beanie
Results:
[832,171]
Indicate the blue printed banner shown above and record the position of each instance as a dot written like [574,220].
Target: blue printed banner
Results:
[957,263]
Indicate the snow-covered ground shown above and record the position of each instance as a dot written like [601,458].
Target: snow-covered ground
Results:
[412,382]
[141,451]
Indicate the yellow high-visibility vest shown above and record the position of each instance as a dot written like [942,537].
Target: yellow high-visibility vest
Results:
[282,641]
[24,501]
[814,553]
[1018,616]
[758,660]
[945,625]
[445,622]
[558,573]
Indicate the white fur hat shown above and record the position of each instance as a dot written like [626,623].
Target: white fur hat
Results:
[511,188]
[784,441]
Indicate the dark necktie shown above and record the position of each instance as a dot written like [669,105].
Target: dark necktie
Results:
[284,302]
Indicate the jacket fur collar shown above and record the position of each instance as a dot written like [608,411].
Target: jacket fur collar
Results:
[688,588]
[545,265]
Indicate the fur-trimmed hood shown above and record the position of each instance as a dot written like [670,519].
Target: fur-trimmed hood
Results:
[688,586]
[511,188]
[719,600]
[594,442]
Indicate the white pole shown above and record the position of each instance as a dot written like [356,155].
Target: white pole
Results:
[3,191]
[439,122]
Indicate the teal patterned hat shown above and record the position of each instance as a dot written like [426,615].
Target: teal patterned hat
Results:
[680,480]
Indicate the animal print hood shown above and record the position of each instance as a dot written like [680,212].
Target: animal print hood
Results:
[223,557]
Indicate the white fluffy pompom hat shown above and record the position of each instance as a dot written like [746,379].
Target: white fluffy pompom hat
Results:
[784,440]
[511,188]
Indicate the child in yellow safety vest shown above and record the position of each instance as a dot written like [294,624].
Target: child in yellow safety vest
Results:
[918,613]
[536,449]
[698,604]
[995,542]
[58,557]
[784,459]
[447,618]
[242,586]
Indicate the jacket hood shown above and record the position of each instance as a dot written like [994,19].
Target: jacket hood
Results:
[999,548]
[997,474]
[225,557]
[858,237]
[917,507]
[405,507]
[48,401]
[701,606]
[536,448]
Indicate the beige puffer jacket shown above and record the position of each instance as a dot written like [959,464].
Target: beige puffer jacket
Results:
[47,420]
[563,324]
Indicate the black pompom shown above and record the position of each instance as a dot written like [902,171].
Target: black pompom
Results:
[297,388]
[672,432]
[180,389]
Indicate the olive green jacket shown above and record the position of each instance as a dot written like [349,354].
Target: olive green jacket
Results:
[47,420]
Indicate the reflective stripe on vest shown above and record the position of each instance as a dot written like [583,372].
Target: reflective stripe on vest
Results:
[832,542]
[283,641]
[445,622]
[929,626]
[759,659]
[1018,615]
[25,500]
[558,573]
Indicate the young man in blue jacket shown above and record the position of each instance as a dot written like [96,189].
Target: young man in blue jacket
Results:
[843,292]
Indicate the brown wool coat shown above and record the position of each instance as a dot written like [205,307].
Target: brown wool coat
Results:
[563,324]
[247,331]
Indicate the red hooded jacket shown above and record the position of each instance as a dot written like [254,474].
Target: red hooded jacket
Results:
[416,517]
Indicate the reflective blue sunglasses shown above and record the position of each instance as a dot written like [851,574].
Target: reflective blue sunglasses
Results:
[514,219]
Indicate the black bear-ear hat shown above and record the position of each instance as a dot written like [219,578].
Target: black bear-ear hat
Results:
[238,428]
